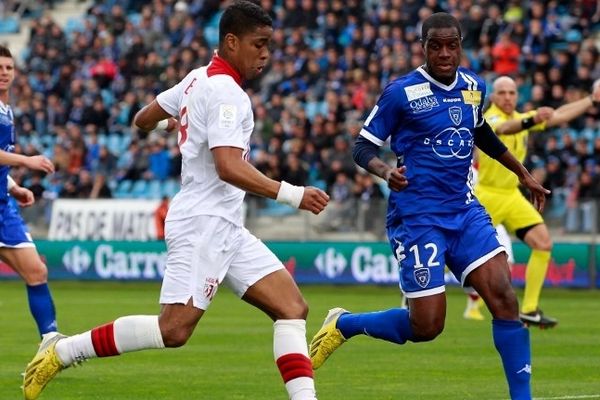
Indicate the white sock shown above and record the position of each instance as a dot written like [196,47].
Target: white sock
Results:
[291,356]
[125,334]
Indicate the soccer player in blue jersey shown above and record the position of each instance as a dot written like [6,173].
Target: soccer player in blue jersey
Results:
[16,247]
[433,119]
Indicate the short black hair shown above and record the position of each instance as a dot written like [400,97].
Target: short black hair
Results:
[5,52]
[439,20]
[242,17]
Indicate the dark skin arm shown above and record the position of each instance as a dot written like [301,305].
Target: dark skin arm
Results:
[147,118]
[233,169]
[394,177]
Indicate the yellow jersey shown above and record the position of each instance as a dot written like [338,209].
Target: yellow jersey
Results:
[492,174]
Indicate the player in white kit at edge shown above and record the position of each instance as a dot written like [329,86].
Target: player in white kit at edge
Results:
[207,243]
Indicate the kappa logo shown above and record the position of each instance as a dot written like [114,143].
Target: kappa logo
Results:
[418,91]
[526,369]
[455,115]
[400,255]
[422,276]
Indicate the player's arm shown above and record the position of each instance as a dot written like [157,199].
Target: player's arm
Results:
[570,111]
[366,155]
[38,163]
[233,169]
[154,117]
[489,143]
[512,126]
[23,195]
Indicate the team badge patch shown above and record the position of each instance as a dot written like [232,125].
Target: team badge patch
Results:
[422,276]
[455,115]
[472,97]
[210,288]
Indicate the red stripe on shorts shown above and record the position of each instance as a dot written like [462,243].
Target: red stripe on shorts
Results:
[103,339]
[294,365]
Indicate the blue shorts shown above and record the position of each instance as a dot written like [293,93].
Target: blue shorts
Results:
[13,231]
[424,244]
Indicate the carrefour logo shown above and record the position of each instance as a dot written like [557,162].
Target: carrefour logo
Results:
[452,143]
[106,262]
[365,265]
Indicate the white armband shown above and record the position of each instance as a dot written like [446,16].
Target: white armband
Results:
[10,182]
[290,194]
[162,125]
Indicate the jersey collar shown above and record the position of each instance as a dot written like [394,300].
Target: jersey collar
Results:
[437,83]
[218,66]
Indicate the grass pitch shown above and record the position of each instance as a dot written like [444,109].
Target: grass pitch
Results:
[230,354]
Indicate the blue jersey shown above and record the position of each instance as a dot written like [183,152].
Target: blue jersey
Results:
[430,126]
[7,143]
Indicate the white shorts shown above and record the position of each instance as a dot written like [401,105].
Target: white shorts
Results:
[205,251]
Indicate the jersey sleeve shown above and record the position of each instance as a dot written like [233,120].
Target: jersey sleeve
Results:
[226,108]
[170,99]
[385,116]
[480,118]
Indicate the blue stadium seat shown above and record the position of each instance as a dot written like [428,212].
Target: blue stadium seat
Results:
[275,209]
[139,189]
[9,25]
[154,189]
[170,187]
[123,189]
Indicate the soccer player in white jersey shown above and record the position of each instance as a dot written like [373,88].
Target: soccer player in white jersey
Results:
[206,242]
[16,246]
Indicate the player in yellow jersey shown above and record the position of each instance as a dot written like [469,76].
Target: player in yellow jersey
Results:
[498,190]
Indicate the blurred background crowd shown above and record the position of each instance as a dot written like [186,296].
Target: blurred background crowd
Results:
[79,86]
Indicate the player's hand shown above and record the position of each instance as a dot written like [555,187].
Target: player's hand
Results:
[396,179]
[39,163]
[543,114]
[23,196]
[314,200]
[537,192]
[172,125]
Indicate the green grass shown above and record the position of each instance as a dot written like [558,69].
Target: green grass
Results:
[230,354]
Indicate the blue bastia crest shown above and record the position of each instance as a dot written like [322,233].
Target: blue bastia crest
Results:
[422,276]
[455,115]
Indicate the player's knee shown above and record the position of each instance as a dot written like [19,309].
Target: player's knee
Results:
[35,274]
[173,337]
[544,245]
[425,332]
[504,304]
[297,309]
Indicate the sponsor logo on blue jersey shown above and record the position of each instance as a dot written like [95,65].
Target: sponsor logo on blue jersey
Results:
[452,143]
[424,104]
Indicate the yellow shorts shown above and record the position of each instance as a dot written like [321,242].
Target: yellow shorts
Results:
[509,208]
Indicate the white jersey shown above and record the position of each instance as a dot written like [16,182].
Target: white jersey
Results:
[214,111]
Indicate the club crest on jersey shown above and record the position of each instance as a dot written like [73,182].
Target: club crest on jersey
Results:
[455,115]
[472,97]
[210,288]
[424,104]
[422,276]
[421,90]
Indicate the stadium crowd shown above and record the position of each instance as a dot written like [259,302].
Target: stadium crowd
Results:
[79,87]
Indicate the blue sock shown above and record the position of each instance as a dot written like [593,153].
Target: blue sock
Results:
[42,307]
[392,325]
[512,342]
